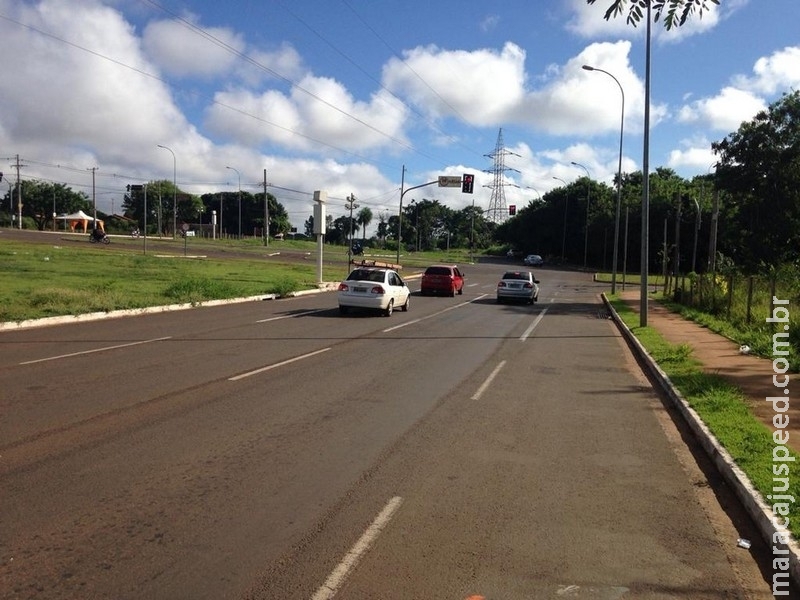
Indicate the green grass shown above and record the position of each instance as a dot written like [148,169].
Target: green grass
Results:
[42,281]
[722,407]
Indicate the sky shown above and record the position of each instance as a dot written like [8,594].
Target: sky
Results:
[368,97]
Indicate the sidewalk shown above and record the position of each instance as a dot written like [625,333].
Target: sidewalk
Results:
[719,355]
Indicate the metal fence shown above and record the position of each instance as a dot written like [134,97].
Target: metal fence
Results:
[743,300]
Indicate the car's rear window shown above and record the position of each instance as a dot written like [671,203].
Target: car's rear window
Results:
[515,275]
[365,275]
[437,271]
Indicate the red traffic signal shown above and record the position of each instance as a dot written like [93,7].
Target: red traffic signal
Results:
[512,209]
[467,183]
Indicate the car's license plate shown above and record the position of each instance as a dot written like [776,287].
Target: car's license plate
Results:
[360,290]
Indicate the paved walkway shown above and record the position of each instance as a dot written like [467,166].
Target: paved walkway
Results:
[721,356]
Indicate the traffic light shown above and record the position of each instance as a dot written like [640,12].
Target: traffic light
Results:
[467,182]
[512,209]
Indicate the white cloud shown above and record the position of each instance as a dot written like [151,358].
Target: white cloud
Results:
[723,112]
[777,73]
[444,83]
[59,95]
[182,51]
[588,21]
[694,155]
[568,101]
[576,101]
[319,115]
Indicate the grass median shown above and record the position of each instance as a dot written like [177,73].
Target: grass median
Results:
[723,408]
[52,280]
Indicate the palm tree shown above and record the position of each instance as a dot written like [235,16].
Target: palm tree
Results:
[364,219]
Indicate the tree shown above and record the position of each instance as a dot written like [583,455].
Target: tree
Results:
[364,219]
[339,230]
[678,11]
[133,204]
[278,217]
[759,166]
[40,200]
[308,226]
[383,227]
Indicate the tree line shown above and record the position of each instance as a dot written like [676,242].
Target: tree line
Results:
[745,211]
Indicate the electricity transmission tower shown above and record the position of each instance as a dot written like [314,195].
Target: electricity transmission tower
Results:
[498,211]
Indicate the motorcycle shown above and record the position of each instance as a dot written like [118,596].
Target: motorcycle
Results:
[135,233]
[98,235]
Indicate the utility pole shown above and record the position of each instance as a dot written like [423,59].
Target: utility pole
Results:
[472,233]
[400,213]
[266,211]
[676,266]
[18,166]
[94,196]
[350,205]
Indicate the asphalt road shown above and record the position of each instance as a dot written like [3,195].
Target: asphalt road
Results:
[278,450]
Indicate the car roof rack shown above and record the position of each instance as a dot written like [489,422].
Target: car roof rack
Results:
[376,264]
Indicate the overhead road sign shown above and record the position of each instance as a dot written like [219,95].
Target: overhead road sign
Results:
[449,181]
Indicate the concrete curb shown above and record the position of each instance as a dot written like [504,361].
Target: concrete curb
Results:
[750,498]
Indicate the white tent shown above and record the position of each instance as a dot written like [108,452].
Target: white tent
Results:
[80,218]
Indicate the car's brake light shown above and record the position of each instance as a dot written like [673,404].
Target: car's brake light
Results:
[501,284]
[527,285]
[377,290]
[343,287]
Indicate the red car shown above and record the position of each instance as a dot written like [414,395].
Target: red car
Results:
[442,279]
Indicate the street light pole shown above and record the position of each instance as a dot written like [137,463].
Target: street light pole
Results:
[566,205]
[174,191]
[586,228]
[619,178]
[240,200]
[645,246]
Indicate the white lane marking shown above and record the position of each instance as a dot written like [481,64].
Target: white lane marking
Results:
[533,325]
[488,381]
[301,313]
[276,365]
[38,360]
[340,573]
[436,314]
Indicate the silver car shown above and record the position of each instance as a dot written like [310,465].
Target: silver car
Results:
[518,285]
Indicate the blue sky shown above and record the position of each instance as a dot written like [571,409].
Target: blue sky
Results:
[343,95]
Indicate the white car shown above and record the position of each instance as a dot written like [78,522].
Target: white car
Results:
[373,288]
[533,260]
